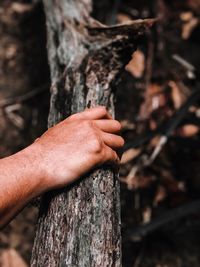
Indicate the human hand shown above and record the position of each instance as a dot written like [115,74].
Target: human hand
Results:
[76,145]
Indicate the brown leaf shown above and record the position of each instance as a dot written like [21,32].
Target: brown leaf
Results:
[130,155]
[137,64]
[154,141]
[122,18]
[21,8]
[186,16]
[188,130]
[153,124]
[134,182]
[11,51]
[190,23]
[154,89]
[160,195]
[147,214]
[153,99]
[176,95]
[127,125]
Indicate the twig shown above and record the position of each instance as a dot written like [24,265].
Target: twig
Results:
[145,160]
[148,76]
[140,256]
[22,98]
[160,12]
[183,62]
[16,119]
[167,128]
[181,112]
[158,148]
[168,217]
[188,66]
[149,61]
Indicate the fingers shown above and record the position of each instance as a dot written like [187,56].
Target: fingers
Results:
[112,140]
[94,114]
[36,140]
[111,156]
[109,126]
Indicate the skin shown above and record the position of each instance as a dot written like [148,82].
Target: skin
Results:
[59,157]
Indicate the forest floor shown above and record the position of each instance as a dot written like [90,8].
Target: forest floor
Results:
[158,104]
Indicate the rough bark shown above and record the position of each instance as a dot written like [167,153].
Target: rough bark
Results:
[80,226]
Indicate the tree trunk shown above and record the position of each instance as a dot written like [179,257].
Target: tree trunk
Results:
[80,226]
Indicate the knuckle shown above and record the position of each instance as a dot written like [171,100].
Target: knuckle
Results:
[118,125]
[96,144]
[122,141]
[103,109]
[114,157]
[88,124]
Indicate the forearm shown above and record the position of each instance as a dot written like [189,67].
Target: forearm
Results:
[59,157]
[20,182]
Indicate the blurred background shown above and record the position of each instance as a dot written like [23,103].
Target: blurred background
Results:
[157,102]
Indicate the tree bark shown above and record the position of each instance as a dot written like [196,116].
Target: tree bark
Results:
[80,226]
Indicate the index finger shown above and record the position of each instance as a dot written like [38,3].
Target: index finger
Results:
[95,113]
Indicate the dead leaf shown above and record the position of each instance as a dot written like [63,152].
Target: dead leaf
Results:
[188,130]
[134,182]
[21,8]
[158,101]
[122,18]
[147,213]
[154,89]
[154,141]
[153,124]
[153,99]
[186,16]
[160,195]
[127,125]
[190,23]
[11,51]
[176,95]
[137,64]
[130,155]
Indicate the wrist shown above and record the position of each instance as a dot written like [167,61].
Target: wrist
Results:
[41,168]
[29,160]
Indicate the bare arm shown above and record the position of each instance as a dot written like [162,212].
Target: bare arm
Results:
[59,157]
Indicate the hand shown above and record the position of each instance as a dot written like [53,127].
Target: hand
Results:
[76,145]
